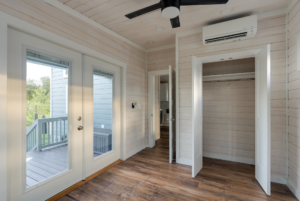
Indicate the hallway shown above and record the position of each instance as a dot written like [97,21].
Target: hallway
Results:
[148,176]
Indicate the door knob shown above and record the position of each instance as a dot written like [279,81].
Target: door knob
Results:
[172,119]
[80,128]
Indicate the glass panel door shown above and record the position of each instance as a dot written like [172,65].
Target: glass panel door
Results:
[46,117]
[101,114]
[44,102]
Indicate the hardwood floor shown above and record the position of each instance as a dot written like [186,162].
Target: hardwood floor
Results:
[148,176]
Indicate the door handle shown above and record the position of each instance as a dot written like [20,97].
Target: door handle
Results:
[80,128]
[172,119]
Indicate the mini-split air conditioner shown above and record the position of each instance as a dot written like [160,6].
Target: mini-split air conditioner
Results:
[230,31]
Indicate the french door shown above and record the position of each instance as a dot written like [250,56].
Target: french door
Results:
[63,116]
[101,114]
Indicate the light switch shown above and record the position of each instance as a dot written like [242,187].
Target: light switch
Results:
[139,106]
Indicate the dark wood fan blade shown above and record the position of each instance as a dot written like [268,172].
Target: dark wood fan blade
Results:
[175,22]
[144,11]
[202,2]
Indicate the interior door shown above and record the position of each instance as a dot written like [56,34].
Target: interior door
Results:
[172,114]
[197,117]
[262,119]
[101,114]
[44,102]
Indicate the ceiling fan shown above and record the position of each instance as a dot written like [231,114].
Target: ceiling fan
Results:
[170,9]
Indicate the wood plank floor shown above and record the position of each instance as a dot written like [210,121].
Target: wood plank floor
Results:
[148,176]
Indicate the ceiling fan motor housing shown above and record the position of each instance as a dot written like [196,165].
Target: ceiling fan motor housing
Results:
[170,8]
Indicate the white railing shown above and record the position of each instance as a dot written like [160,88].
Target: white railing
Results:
[102,143]
[31,139]
[47,132]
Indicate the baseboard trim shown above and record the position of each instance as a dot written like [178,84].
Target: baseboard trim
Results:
[135,151]
[293,189]
[230,158]
[279,180]
[184,161]
[71,188]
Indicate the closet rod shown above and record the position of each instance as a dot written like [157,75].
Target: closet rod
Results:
[236,76]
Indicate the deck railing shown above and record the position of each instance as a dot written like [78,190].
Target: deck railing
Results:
[47,132]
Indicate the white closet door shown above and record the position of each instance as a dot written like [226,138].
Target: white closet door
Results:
[44,144]
[101,114]
[172,114]
[262,119]
[197,117]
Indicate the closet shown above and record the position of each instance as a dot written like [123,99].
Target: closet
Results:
[229,110]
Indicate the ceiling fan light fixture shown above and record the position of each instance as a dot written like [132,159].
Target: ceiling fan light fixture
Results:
[170,8]
[170,12]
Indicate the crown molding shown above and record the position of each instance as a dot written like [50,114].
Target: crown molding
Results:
[82,17]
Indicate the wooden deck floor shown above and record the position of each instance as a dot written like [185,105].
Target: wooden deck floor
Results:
[42,165]
[148,176]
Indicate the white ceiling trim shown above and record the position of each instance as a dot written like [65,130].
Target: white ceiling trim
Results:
[161,48]
[82,17]
[280,11]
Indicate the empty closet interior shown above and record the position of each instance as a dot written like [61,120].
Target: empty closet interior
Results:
[229,110]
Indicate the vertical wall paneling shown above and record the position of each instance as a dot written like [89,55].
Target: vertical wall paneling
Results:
[47,17]
[271,30]
[3,103]
[293,31]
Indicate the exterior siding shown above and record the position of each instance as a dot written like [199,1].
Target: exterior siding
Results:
[102,102]
[59,85]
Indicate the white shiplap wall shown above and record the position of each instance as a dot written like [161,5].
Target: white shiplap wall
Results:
[294,99]
[271,30]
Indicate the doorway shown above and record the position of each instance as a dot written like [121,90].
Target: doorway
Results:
[255,93]
[62,126]
[162,108]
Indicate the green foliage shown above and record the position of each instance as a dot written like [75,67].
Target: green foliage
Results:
[38,95]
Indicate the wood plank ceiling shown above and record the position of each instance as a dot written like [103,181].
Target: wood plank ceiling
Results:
[111,14]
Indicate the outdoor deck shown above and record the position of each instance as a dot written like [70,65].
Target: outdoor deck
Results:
[42,165]
[45,164]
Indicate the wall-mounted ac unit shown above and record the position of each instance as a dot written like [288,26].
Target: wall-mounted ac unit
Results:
[230,31]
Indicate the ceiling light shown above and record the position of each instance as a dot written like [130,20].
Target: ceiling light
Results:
[170,12]
[159,29]
[226,11]
[150,42]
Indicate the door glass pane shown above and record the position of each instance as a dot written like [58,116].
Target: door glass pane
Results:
[46,117]
[103,112]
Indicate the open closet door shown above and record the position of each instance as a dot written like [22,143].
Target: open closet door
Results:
[262,119]
[197,117]
[172,113]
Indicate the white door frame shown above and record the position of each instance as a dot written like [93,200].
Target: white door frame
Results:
[232,56]
[151,105]
[10,21]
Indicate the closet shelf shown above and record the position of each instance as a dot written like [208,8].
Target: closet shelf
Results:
[236,76]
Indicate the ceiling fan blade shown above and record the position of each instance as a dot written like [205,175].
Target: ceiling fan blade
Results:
[144,11]
[175,22]
[202,2]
